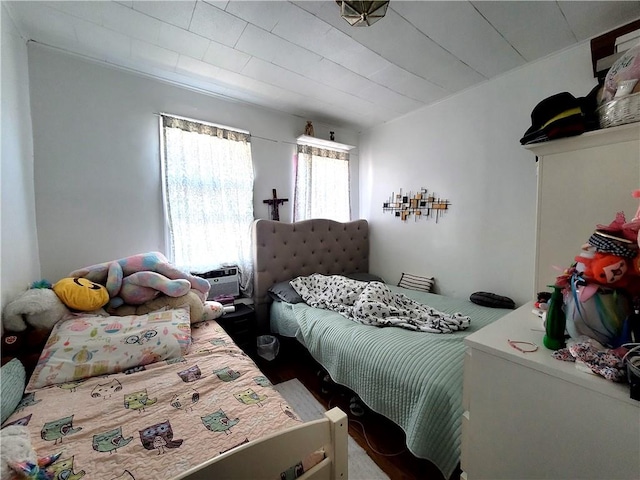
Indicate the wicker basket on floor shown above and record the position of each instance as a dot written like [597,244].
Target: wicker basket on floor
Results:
[620,111]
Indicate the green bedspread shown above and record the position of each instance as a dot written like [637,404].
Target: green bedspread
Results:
[412,378]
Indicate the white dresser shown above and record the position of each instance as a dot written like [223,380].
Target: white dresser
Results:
[528,415]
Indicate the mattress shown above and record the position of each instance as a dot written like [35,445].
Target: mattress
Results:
[412,378]
[283,319]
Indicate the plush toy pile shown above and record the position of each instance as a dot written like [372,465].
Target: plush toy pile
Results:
[601,294]
[129,286]
[132,285]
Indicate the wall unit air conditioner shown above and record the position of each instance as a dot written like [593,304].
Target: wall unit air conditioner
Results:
[223,281]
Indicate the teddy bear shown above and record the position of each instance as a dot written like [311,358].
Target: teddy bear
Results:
[137,279]
[18,459]
[198,311]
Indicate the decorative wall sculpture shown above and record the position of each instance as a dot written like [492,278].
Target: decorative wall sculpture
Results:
[422,204]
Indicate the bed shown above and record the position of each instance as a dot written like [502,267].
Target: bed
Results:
[412,378]
[147,403]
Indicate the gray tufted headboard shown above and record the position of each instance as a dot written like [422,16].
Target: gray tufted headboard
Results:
[283,251]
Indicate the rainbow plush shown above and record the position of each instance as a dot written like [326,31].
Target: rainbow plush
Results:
[36,471]
[139,278]
[601,316]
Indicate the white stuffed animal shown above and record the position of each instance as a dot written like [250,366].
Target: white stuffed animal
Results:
[18,459]
[39,307]
[15,447]
[212,310]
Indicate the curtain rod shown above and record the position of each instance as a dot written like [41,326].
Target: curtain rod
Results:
[225,127]
[211,124]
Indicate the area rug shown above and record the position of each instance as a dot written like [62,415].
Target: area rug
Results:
[361,467]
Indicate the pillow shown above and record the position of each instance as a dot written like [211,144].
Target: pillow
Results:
[81,294]
[416,282]
[284,292]
[493,300]
[88,346]
[364,277]
[12,379]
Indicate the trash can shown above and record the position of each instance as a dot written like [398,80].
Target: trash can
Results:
[632,359]
[268,346]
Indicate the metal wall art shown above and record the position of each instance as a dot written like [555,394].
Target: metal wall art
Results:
[422,204]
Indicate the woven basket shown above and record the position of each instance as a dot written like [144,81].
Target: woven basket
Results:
[619,112]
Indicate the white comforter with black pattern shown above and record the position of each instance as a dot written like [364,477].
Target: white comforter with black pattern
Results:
[374,304]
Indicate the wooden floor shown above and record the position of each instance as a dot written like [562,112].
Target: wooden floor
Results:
[385,439]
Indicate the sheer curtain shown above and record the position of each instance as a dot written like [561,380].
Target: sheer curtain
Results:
[208,197]
[322,184]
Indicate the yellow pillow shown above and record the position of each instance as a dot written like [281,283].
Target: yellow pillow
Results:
[81,294]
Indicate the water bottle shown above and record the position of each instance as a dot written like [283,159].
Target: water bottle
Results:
[556,322]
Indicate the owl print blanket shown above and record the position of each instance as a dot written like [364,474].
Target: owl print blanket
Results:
[373,303]
[156,421]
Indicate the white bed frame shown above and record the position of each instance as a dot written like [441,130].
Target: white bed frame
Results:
[267,457]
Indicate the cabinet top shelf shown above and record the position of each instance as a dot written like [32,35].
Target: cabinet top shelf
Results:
[605,136]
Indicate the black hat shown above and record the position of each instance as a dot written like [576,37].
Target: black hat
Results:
[559,115]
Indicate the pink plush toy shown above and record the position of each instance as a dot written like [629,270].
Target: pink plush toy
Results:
[635,221]
[139,278]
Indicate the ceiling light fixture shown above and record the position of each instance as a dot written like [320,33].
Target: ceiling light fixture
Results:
[362,14]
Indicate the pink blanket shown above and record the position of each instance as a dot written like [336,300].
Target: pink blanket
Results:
[157,421]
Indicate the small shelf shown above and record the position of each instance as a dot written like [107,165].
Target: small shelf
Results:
[319,142]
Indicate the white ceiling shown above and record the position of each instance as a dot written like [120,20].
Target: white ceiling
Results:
[300,57]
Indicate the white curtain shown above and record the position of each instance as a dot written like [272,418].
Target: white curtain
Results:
[208,189]
[322,184]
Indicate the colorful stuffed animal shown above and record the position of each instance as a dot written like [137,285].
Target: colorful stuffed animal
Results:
[139,278]
[605,269]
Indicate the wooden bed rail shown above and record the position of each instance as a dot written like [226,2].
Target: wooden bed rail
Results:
[267,457]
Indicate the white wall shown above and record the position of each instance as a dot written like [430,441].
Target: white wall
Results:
[97,168]
[466,149]
[19,262]
[97,178]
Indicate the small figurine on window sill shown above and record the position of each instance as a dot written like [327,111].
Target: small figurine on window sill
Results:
[332,136]
[308,130]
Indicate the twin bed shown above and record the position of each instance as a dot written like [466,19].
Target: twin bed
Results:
[180,410]
[413,378]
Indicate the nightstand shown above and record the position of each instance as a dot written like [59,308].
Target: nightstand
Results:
[241,327]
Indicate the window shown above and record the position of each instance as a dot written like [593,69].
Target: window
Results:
[208,196]
[322,184]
